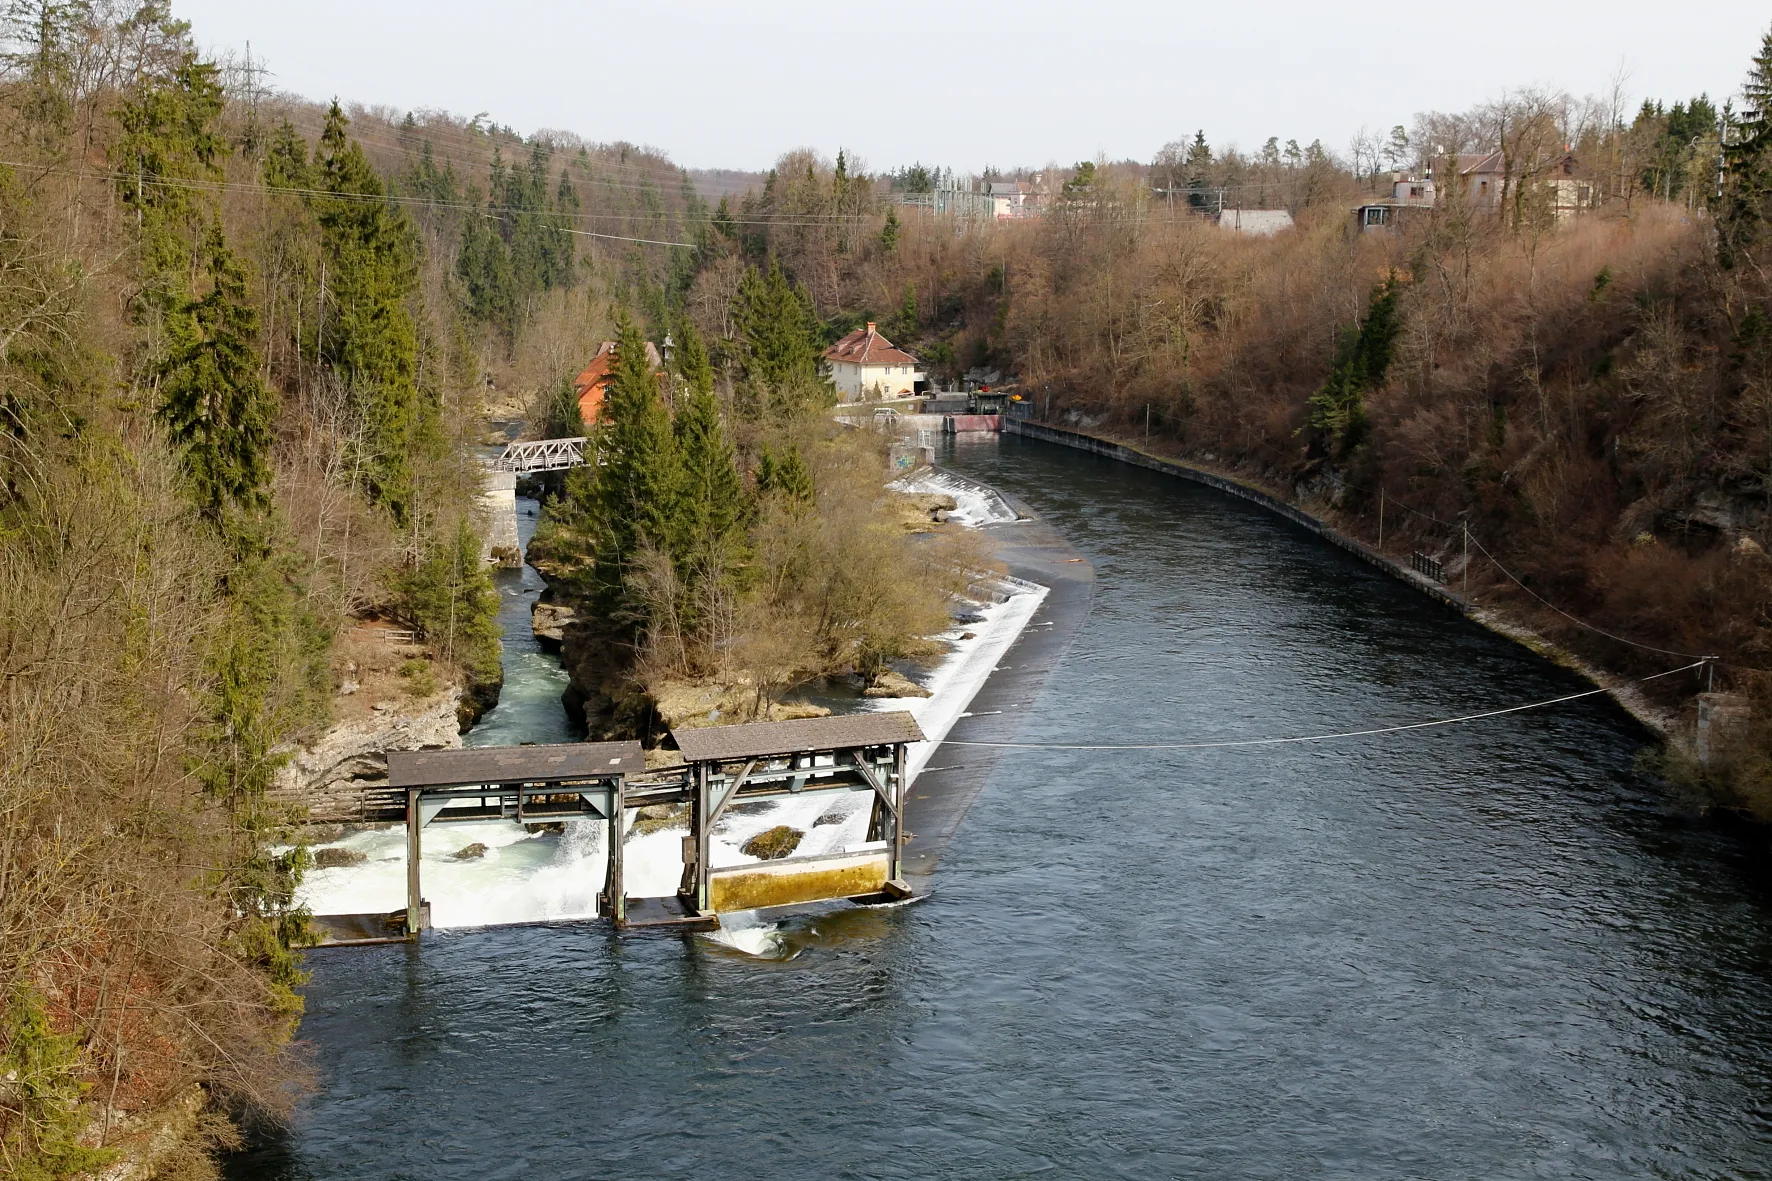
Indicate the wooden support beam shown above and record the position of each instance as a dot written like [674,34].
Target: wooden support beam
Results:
[873,781]
[895,867]
[695,846]
[615,891]
[415,906]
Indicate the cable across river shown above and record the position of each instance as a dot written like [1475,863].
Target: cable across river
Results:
[1476,717]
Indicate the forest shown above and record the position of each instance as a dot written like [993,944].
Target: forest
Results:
[254,345]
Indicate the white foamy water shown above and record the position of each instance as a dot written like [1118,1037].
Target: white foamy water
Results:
[524,877]
[975,504]
[962,673]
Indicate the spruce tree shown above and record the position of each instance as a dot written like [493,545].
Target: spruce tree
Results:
[366,331]
[778,345]
[638,489]
[712,505]
[170,140]
[889,232]
[786,479]
[793,481]
[1747,194]
[213,402]
[1362,358]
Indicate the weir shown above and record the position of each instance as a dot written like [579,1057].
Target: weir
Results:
[606,782]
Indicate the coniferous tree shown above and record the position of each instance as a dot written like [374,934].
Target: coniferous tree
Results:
[712,508]
[889,232]
[1747,196]
[214,404]
[639,483]
[366,331]
[1362,358]
[483,264]
[169,140]
[1199,168]
[778,345]
[521,247]
[450,599]
[786,478]
[793,480]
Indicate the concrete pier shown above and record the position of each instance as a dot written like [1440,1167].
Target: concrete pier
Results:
[498,504]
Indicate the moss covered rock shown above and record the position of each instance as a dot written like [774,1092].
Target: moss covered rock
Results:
[773,843]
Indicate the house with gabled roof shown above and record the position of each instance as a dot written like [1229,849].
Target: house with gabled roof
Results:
[865,366]
[590,386]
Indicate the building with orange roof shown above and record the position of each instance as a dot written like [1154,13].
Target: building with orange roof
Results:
[865,365]
[590,386]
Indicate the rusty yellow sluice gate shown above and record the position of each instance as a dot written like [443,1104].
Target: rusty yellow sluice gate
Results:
[605,781]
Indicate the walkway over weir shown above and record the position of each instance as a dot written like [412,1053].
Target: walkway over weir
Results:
[604,781]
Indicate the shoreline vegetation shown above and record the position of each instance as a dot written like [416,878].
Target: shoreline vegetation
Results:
[252,344]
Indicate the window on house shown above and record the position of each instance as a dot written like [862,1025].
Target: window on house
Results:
[1375,215]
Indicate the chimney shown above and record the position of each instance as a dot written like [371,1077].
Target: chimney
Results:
[870,328]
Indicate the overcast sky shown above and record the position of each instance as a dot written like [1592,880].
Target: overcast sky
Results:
[730,84]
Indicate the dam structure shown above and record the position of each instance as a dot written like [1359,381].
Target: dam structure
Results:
[606,783]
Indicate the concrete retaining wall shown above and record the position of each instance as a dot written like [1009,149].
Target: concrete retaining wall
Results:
[1174,467]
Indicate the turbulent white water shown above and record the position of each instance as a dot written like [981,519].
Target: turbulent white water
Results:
[975,504]
[525,877]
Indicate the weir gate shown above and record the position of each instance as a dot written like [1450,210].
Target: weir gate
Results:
[605,782]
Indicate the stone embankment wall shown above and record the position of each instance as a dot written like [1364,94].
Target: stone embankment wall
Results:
[331,777]
[1304,520]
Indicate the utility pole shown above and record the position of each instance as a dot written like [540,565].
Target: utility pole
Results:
[1381,519]
[1467,555]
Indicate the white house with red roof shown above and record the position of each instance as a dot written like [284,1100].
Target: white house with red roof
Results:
[865,366]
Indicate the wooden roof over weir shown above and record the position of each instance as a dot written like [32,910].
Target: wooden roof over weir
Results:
[762,739]
[488,765]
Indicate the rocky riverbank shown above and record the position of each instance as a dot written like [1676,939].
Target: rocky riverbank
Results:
[330,775]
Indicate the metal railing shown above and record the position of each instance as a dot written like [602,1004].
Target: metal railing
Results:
[1422,564]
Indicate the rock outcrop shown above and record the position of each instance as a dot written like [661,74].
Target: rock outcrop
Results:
[330,776]
[548,621]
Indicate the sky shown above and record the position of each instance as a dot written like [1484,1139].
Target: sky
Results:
[961,84]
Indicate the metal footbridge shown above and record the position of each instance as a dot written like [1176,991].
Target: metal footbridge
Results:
[541,455]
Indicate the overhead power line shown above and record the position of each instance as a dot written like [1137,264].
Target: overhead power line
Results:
[1228,743]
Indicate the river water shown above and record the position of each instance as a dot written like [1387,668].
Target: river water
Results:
[1488,951]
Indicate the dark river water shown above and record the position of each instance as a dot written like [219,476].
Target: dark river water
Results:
[1490,951]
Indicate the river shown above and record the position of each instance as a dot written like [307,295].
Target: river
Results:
[1487,951]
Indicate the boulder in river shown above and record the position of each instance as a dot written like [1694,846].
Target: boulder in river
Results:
[473,852]
[336,857]
[772,843]
[893,683]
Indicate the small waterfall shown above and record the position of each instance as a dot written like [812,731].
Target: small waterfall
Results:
[743,931]
[512,876]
